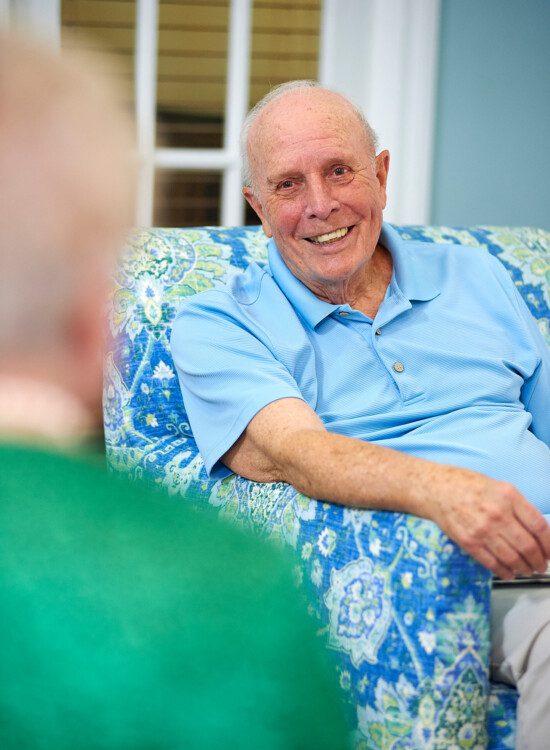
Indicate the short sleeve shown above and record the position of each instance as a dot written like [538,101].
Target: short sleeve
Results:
[535,392]
[227,372]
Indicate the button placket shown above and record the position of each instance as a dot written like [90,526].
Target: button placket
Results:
[394,367]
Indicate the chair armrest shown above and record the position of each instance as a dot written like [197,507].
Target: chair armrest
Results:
[404,611]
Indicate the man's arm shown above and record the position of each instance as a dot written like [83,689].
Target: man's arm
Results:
[491,520]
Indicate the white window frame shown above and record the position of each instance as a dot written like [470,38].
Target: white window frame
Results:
[41,17]
[381,53]
[225,159]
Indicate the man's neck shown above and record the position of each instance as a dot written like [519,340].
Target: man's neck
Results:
[37,411]
[366,292]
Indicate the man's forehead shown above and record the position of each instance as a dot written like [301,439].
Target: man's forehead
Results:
[301,117]
[296,107]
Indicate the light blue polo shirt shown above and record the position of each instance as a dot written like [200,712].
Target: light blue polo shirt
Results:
[452,369]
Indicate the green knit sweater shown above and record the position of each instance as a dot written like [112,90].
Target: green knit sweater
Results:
[130,620]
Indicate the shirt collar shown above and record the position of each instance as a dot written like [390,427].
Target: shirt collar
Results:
[312,309]
[411,277]
[414,276]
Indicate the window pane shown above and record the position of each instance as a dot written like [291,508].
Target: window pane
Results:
[191,73]
[285,46]
[103,26]
[186,199]
[285,43]
[191,77]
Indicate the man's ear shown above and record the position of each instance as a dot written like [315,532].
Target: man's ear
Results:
[257,206]
[382,168]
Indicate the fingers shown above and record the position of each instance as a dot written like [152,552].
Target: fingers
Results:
[487,559]
[519,558]
[501,529]
[535,524]
[501,558]
[516,551]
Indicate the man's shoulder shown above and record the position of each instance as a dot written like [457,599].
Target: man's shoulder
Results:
[242,289]
[464,249]
[249,298]
[75,498]
[40,465]
[456,251]
[465,259]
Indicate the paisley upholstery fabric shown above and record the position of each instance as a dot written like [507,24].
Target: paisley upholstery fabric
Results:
[403,611]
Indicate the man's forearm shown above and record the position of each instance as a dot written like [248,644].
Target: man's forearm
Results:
[491,520]
[353,472]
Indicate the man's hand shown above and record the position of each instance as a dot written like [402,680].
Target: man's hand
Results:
[491,520]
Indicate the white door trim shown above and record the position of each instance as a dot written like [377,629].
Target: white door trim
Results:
[236,106]
[225,159]
[145,77]
[41,18]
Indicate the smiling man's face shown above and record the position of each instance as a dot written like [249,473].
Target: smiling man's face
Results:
[318,188]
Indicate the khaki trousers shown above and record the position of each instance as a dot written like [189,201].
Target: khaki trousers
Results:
[520,656]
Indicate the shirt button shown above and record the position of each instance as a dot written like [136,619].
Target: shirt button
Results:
[378,332]
[343,312]
[398,366]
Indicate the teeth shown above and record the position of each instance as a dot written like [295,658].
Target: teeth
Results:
[336,235]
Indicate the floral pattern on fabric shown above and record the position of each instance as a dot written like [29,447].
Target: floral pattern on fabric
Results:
[358,601]
[402,610]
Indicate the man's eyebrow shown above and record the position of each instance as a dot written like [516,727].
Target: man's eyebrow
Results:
[288,173]
[341,158]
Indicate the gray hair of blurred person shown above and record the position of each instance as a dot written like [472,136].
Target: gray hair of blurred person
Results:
[276,93]
[66,188]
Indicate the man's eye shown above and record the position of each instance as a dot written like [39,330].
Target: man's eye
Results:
[340,170]
[286,184]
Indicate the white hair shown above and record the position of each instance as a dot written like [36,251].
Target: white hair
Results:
[65,182]
[276,93]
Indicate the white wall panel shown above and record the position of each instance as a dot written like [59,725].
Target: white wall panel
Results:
[383,55]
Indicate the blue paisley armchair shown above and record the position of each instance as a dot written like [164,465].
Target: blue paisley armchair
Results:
[403,611]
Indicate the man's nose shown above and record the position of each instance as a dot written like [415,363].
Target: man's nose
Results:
[320,199]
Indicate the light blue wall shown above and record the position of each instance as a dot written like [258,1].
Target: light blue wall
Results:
[492,142]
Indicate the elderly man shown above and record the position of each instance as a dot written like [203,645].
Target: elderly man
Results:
[367,370]
[127,620]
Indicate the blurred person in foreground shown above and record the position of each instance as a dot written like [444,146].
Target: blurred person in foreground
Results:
[128,620]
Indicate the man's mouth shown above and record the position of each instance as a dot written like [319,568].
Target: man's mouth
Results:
[323,239]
